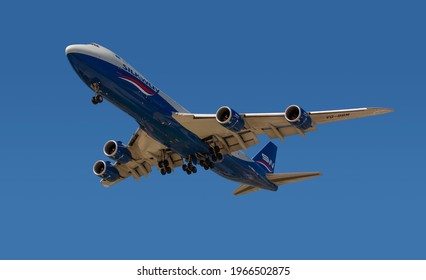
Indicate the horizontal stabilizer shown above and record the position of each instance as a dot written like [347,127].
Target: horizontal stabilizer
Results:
[287,178]
[244,189]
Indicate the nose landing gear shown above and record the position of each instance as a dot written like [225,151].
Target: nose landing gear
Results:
[97,99]
[96,87]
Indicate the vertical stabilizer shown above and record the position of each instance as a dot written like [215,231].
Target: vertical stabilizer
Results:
[266,157]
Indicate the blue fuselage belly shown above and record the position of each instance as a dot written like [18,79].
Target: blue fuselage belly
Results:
[154,115]
[242,171]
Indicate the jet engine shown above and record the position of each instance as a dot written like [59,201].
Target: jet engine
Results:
[298,117]
[229,119]
[115,150]
[105,170]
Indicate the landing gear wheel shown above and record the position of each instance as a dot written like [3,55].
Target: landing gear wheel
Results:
[160,164]
[99,98]
[188,172]
[194,169]
[163,171]
[184,167]
[94,101]
[190,166]
[168,170]
[219,156]
[206,167]
[211,165]
[214,158]
[216,149]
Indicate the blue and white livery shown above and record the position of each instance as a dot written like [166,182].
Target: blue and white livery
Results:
[169,136]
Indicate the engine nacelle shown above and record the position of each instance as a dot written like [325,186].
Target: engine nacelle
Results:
[105,170]
[229,119]
[115,150]
[298,117]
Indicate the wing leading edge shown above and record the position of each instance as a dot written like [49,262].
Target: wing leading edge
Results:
[274,125]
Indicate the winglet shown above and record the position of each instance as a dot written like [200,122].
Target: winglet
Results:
[380,111]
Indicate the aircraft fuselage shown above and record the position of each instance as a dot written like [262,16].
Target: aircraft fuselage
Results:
[111,77]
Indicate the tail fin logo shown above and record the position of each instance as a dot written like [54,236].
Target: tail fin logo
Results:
[266,157]
[267,163]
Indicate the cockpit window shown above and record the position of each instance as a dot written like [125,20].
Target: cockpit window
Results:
[118,57]
[96,45]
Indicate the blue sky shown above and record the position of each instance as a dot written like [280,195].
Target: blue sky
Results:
[254,57]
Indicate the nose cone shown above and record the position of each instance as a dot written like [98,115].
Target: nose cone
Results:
[90,61]
[72,49]
[87,49]
[81,58]
[84,56]
[74,53]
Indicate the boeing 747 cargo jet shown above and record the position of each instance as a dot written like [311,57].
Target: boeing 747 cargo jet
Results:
[169,137]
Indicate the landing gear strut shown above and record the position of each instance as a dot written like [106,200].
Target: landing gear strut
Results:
[96,87]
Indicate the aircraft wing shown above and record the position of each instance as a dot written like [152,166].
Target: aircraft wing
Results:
[145,154]
[275,125]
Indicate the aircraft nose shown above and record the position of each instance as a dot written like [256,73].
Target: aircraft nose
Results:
[73,49]
[78,60]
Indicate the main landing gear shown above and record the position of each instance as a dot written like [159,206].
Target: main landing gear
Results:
[207,164]
[215,153]
[207,161]
[164,167]
[189,169]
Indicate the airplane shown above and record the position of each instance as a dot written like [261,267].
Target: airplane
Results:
[169,136]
